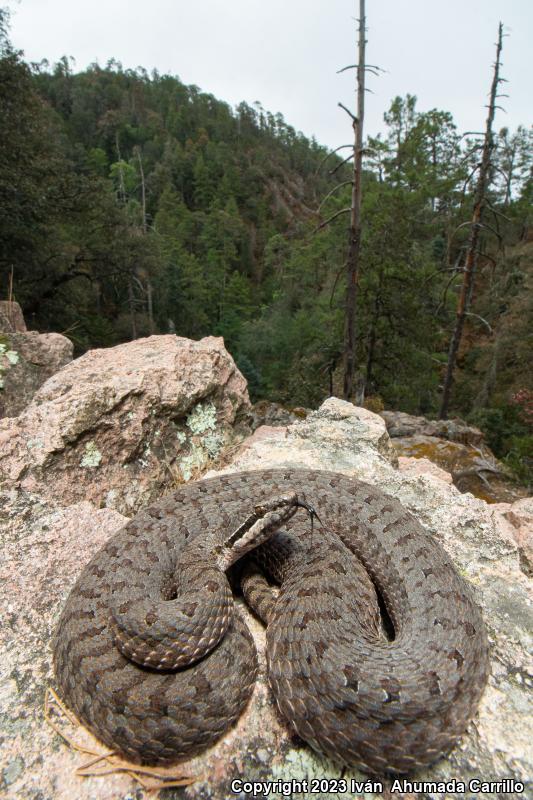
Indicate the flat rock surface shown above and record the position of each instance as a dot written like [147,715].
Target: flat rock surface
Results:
[46,546]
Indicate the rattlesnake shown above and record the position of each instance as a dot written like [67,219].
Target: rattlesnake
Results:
[352,692]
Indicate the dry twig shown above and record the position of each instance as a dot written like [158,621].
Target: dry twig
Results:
[150,778]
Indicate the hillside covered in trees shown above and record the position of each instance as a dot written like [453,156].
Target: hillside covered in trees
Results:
[133,204]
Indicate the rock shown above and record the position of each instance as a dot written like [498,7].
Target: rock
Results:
[473,469]
[517,519]
[458,448]
[11,317]
[423,466]
[43,547]
[46,548]
[400,424]
[116,425]
[27,360]
[321,442]
[274,414]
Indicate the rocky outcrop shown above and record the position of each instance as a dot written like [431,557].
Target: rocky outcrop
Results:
[458,448]
[265,412]
[47,546]
[116,425]
[27,359]
[517,519]
[400,424]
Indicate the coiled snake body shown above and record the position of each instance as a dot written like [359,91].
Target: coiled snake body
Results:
[157,591]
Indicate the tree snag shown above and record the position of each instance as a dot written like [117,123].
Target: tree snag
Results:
[475,229]
[354,245]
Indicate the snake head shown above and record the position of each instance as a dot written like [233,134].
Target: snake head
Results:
[267,518]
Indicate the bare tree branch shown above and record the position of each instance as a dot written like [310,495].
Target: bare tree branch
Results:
[354,118]
[445,292]
[495,211]
[471,133]
[495,231]
[349,158]
[467,224]
[484,321]
[338,186]
[337,276]
[342,147]
[334,216]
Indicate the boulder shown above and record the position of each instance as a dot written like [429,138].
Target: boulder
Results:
[274,414]
[339,436]
[517,519]
[27,360]
[400,424]
[47,546]
[423,466]
[11,317]
[116,425]
[458,448]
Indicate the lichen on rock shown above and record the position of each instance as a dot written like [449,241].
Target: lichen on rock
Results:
[92,456]
[27,359]
[46,546]
[142,405]
[202,418]
[12,358]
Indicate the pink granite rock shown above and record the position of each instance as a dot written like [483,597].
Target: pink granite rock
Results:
[517,519]
[46,547]
[423,466]
[11,317]
[116,425]
[27,361]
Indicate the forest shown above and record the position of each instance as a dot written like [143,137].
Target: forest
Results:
[133,204]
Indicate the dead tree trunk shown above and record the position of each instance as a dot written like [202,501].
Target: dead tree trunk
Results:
[475,230]
[144,227]
[149,306]
[352,273]
[121,184]
[143,188]
[372,338]
[131,304]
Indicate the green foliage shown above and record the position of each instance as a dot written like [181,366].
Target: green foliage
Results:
[519,458]
[32,171]
[124,177]
[252,376]
[97,161]
[126,195]
[509,437]
[500,425]
[131,203]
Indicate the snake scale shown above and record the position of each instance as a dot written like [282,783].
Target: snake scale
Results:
[387,702]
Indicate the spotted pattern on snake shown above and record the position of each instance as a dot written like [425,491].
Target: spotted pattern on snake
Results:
[384,703]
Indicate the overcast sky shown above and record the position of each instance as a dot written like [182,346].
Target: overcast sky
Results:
[285,53]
